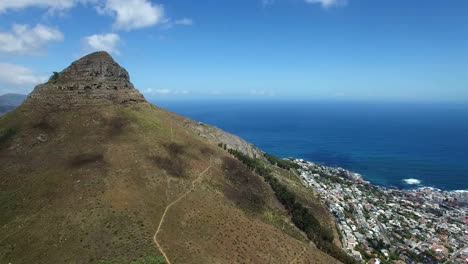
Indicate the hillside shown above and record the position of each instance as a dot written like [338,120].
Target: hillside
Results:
[93,173]
[9,102]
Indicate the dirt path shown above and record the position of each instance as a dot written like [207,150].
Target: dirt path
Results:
[161,222]
[296,258]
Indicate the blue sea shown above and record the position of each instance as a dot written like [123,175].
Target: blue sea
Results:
[403,145]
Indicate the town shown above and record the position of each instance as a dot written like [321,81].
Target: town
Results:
[389,225]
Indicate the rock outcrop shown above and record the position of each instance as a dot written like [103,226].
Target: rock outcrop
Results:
[93,80]
[215,135]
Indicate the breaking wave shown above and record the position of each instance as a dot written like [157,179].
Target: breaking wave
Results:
[412,181]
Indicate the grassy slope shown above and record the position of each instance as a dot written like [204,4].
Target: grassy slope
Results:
[91,185]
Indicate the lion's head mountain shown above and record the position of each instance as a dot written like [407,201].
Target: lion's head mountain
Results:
[93,173]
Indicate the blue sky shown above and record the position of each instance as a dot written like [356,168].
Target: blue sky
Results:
[395,50]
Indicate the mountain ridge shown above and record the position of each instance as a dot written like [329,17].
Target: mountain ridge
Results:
[90,177]
[10,101]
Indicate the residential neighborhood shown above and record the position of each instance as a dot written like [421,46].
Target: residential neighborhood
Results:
[389,225]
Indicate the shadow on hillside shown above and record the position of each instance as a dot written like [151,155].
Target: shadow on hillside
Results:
[87,159]
[243,187]
[175,164]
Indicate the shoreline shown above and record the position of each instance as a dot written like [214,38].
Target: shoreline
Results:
[420,225]
[332,140]
[412,183]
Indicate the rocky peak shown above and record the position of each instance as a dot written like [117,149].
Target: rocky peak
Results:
[96,79]
[95,67]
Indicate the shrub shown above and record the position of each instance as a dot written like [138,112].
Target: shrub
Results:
[301,216]
[54,76]
[5,135]
[282,163]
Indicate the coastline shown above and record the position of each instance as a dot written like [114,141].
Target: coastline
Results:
[357,177]
[423,224]
[380,141]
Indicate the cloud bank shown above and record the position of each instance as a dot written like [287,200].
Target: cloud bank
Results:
[328,3]
[102,42]
[51,4]
[19,75]
[151,91]
[128,14]
[24,39]
[133,14]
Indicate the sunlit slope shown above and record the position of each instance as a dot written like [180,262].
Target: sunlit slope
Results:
[92,184]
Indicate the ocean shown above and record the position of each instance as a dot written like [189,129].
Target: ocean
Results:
[404,145]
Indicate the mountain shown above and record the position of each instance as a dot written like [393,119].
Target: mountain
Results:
[12,99]
[93,173]
[9,102]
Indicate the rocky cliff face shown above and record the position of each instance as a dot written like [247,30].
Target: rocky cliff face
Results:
[215,135]
[93,80]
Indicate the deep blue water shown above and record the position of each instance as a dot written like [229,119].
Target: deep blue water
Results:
[385,142]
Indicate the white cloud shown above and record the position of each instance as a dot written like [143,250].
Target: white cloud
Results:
[51,4]
[128,14]
[151,91]
[133,14]
[181,92]
[184,22]
[328,3]
[24,39]
[262,93]
[102,42]
[18,75]
[157,91]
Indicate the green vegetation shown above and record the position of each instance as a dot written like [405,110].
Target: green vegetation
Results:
[146,121]
[221,145]
[282,163]
[302,217]
[5,135]
[54,76]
